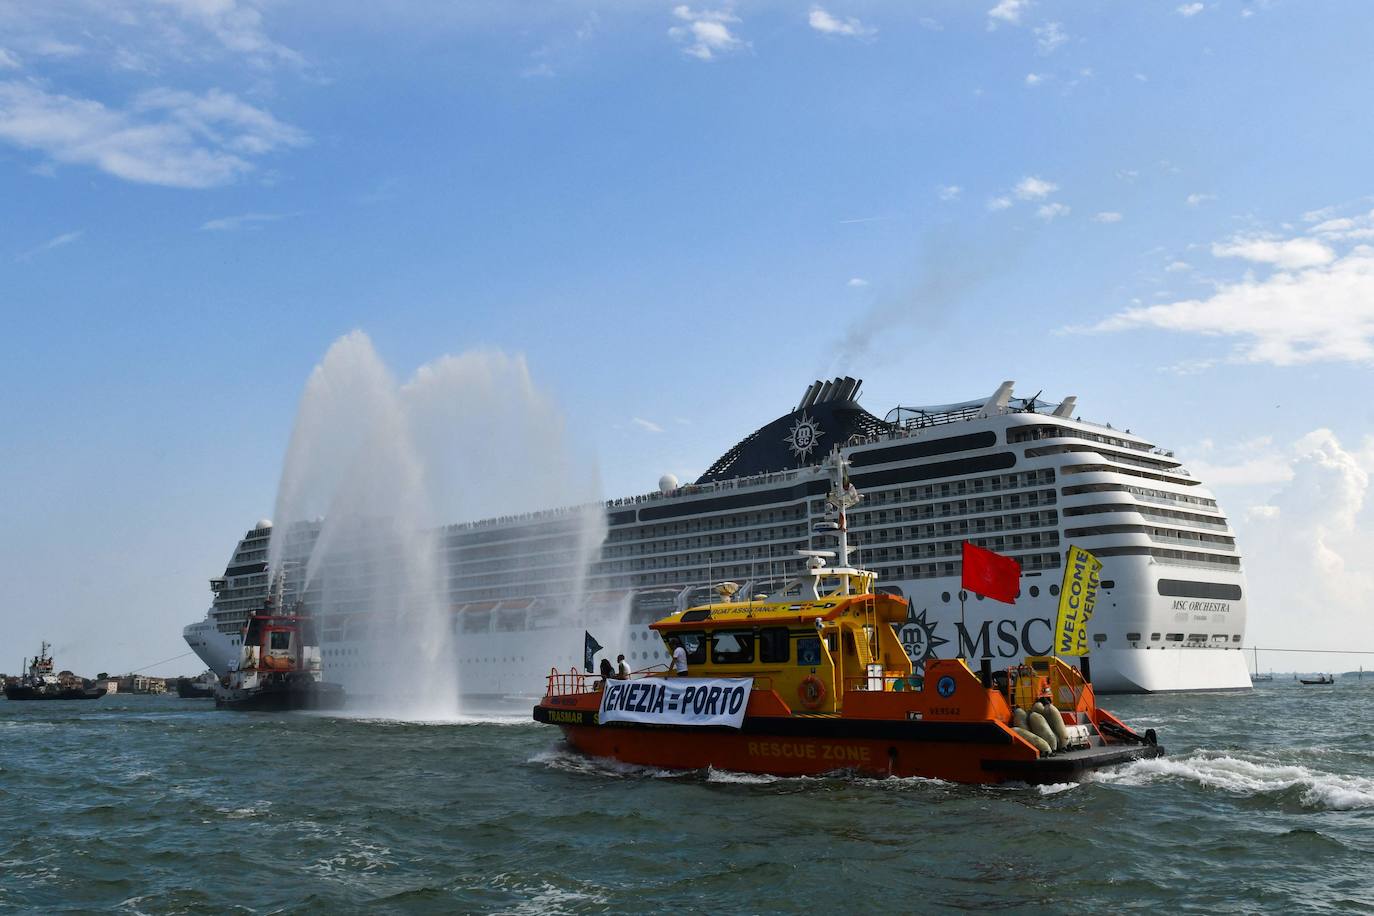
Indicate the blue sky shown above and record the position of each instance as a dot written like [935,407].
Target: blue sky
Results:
[679,215]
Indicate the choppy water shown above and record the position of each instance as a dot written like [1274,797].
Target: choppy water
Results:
[161,805]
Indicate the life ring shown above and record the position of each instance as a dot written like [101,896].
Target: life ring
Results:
[812,692]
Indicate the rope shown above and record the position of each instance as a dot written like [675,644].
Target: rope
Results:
[163,662]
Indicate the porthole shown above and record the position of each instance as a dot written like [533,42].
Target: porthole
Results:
[1054,589]
[944,596]
[978,596]
[963,595]
[1035,591]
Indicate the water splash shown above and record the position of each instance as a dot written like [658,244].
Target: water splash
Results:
[1313,788]
[374,471]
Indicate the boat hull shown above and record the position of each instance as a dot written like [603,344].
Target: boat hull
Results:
[71,693]
[282,697]
[966,752]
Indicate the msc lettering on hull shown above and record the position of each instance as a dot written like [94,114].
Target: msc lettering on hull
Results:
[808,750]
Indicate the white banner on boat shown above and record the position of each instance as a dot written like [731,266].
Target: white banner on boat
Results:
[677,701]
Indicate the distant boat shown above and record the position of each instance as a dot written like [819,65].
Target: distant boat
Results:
[1319,679]
[41,684]
[1257,677]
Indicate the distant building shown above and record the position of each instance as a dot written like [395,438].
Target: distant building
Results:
[138,683]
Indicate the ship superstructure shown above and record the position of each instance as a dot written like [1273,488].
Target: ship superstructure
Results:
[1023,477]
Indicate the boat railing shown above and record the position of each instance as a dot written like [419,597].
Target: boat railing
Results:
[569,683]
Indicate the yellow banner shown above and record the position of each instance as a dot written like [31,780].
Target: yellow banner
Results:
[1077,596]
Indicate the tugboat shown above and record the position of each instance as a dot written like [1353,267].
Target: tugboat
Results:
[813,679]
[278,667]
[41,684]
[197,688]
[1321,680]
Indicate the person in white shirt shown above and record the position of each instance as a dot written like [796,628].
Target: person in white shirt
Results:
[622,668]
[678,666]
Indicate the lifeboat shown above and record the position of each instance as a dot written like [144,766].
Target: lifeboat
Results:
[814,679]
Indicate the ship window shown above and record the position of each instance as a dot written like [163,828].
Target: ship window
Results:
[732,647]
[1108,583]
[1154,637]
[809,651]
[774,644]
[695,644]
[1133,637]
[1054,589]
[1035,591]
[944,596]
[281,639]
[1174,637]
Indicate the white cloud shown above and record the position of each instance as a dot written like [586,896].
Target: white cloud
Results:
[8,61]
[1034,188]
[706,33]
[1049,37]
[1307,546]
[857,282]
[1107,216]
[1006,12]
[1254,462]
[822,21]
[949,192]
[1288,254]
[1194,200]
[930,25]
[1051,211]
[1177,266]
[1334,226]
[165,137]
[237,26]
[65,238]
[1189,9]
[999,203]
[1318,313]
[1034,79]
[242,221]
[646,425]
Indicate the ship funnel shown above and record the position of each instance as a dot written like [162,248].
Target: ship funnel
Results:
[825,391]
[998,402]
[1066,406]
[809,397]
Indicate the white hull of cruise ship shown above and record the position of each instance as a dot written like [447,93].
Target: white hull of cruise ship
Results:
[1025,481]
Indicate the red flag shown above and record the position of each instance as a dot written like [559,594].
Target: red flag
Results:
[991,574]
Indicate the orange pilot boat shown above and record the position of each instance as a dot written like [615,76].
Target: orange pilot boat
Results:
[814,679]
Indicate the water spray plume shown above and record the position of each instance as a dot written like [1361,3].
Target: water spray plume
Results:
[375,468]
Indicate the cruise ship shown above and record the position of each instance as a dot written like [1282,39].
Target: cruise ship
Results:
[1020,476]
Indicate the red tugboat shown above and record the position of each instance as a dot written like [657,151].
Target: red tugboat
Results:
[279,664]
[814,679]
[41,684]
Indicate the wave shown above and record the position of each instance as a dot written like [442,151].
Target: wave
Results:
[1314,788]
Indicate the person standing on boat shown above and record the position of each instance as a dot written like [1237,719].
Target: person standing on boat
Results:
[607,672]
[622,668]
[677,667]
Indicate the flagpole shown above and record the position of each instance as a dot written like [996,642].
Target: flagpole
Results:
[963,593]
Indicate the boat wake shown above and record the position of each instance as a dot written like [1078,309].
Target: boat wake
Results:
[1250,778]
[375,717]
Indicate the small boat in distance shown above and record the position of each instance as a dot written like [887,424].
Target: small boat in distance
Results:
[197,688]
[1258,678]
[1319,680]
[278,667]
[41,684]
[813,679]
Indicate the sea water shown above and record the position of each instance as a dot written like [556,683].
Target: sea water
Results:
[139,804]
